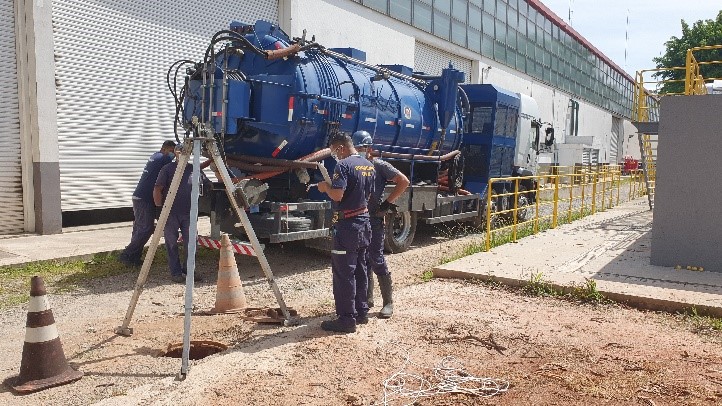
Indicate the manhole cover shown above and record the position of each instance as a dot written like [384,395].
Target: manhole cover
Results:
[198,350]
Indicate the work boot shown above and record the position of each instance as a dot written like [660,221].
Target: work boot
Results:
[338,326]
[370,290]
[362,319]
[386,294]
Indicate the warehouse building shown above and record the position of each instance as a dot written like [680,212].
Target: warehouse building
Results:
[86,97]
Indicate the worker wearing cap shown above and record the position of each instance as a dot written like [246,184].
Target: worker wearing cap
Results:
[143,207]
[350,188]
[378,209]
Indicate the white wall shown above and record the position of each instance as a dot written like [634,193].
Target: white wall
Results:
[344,24]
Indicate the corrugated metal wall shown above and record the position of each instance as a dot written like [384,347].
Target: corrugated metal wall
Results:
[11,189]
[114,108]
[431,60]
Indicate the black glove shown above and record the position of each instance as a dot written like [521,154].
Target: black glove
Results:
[387,206]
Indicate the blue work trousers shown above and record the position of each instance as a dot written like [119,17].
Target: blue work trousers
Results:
[143,227]
[348,263]
[376,260]
[170,233]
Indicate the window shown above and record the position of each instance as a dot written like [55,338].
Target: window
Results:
[444,6]
[459,10]
[422,15]
[488,24]
[458,33]
[401,10]
[501,10]
[378,5]
[501,121]
[481,120]
[512,115]
[442,24]
[500,31]
[474,17]
[487,46]
[474,40]
[490,6]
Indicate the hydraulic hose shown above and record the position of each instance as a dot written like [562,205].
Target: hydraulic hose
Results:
[282,163]
[413,157]
[313,157]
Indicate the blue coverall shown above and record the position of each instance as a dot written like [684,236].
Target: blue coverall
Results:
[351,235]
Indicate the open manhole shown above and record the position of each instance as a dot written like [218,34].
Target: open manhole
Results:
[198,350]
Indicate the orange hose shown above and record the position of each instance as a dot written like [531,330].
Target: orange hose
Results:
[312,157]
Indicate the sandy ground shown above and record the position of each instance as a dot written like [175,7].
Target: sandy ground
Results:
[550,351]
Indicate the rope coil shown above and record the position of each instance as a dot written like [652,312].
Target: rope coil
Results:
[448,376]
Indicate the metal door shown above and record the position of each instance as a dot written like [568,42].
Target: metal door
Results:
[114,108]
[11,188]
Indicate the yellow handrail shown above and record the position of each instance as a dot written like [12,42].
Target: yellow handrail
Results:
[561,197]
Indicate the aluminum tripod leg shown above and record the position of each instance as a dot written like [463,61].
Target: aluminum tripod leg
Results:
[192,237]
[124,330]
[243,217]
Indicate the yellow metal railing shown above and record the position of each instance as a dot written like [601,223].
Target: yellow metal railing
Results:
[647,97]
[562,197]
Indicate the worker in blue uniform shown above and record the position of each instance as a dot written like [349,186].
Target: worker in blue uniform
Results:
[179,217]
[350,189]
[378,209]
[143,206]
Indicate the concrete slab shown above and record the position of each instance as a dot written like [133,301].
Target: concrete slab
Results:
[612,248]
[73,243]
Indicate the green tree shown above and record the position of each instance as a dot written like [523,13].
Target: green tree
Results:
[701,33]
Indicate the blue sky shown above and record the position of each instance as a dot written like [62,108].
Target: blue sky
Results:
[651,23]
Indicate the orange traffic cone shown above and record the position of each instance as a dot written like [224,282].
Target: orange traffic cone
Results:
[229,289]
[43,365]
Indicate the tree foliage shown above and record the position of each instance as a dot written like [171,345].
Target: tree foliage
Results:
[701,33]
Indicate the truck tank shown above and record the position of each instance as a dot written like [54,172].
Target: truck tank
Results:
[273,97]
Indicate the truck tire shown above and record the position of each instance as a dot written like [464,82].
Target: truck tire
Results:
[400,229]
[523,212]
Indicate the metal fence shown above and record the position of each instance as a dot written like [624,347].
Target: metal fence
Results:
[565,195]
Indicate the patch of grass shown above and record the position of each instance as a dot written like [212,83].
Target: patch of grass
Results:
[427,275]
[703,323]
[60,276]
[465,251]
[537,286]
[588,292]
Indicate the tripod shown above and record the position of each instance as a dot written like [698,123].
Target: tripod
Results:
[194,144]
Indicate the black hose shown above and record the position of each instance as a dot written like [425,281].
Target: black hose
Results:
[425,77]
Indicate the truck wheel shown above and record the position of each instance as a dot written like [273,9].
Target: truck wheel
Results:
[400,229]
[523,212]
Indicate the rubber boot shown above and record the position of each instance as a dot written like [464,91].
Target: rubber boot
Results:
[370,290]
[386,293]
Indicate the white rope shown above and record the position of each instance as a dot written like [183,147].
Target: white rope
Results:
[448,376]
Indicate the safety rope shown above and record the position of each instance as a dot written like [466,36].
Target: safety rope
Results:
[448,376]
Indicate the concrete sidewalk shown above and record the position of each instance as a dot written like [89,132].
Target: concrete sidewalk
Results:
[612,248]
[73,243]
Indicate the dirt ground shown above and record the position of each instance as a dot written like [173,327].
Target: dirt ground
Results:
[550,351]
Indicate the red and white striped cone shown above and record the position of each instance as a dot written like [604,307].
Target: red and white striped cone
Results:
[229,288]
[43,364]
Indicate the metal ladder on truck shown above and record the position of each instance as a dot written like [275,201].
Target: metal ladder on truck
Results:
[648,150]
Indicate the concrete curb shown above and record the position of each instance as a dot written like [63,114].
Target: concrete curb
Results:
[612,248]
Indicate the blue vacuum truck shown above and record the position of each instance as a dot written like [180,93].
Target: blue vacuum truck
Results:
[272,102]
